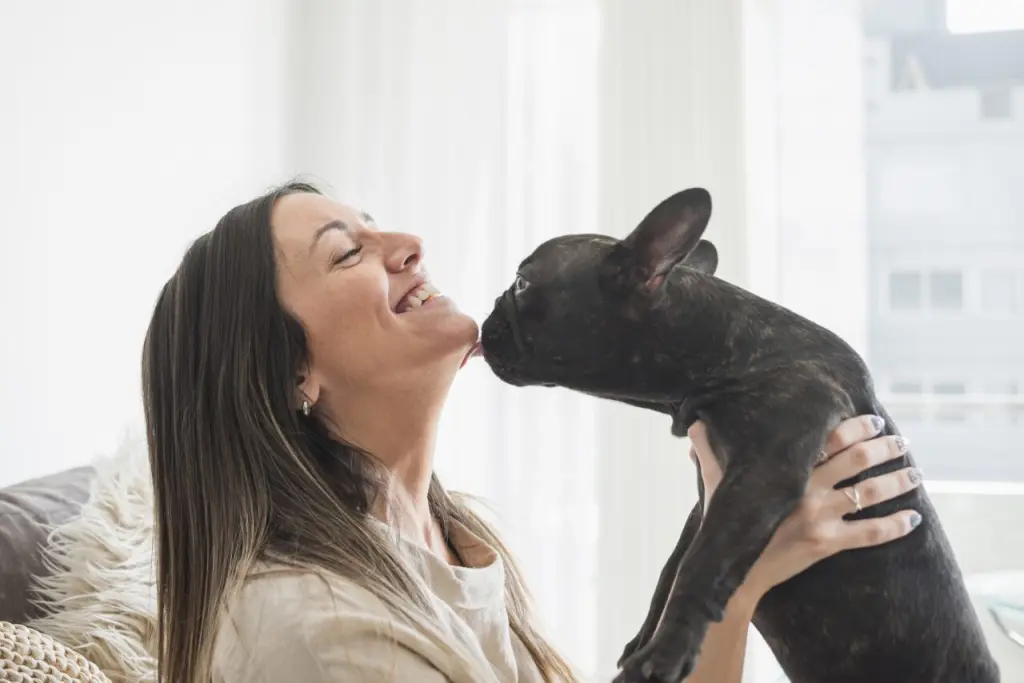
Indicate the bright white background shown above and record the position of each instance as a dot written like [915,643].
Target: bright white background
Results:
[127,128]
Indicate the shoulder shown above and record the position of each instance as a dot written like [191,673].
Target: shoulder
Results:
[295,595]
[294,624]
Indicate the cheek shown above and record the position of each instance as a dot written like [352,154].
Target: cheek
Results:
[345,324]
[533,312]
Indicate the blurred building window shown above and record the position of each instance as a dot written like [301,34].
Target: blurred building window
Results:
[945,290]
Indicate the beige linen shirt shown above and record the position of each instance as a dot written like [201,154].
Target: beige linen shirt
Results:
[294,626]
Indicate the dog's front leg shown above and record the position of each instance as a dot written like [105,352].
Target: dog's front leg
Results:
[665,582]
[744,513]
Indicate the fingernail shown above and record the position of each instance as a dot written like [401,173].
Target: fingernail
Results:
[915,520]
[878,423]
[902,444]
[914,475]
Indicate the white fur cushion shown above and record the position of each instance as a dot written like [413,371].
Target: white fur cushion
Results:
[100,594]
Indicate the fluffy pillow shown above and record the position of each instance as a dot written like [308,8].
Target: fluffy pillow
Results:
[32,657]
[99,594]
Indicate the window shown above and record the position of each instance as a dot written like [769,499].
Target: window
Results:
[906,406]
[946,290]
[996,103]
[905,290]
[979,16]
[994,403]
[907,387]
[1006,407]
[999,293]
[950,408]
[940,290]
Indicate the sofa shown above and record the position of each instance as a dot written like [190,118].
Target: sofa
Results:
[76,550]
[27,513]
[77,574]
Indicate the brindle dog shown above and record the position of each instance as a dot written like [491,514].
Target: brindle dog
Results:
[645,322]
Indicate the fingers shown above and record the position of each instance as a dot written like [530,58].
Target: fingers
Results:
[874,490]
[698,434]
[710,470]
[852,431]
[859,457]
[701,450]
[868,532]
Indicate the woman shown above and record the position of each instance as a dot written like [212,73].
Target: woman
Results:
[294,372]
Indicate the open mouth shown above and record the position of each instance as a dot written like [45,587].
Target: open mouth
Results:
[420,295]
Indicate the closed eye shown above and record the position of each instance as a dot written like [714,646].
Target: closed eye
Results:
[351,253]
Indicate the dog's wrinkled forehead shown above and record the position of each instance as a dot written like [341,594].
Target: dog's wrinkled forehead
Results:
[569,254]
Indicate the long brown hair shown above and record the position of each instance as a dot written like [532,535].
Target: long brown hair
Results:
[240,475]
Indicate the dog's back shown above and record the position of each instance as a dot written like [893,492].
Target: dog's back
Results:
[644,321]
[895,613]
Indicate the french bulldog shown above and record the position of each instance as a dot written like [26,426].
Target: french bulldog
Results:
[644,321]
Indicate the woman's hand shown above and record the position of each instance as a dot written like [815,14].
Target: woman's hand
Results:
[816,529]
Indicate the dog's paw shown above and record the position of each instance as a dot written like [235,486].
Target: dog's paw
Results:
[663,659]
[632,646]
[656,669]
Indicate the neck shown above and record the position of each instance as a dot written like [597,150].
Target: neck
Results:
[400,431]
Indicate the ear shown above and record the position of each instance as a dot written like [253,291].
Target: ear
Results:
[668,234]
[308,389]
[703,258]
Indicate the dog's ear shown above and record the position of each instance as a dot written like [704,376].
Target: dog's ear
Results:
[669,234]
[703,258]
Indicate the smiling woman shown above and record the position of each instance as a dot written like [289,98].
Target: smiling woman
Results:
[294,372]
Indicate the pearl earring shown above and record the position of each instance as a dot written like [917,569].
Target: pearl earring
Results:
[305,408]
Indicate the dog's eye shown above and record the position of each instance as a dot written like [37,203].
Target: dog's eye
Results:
[519,285]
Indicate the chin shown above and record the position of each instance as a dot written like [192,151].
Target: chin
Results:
[441,337]
[456,337]
[465,332]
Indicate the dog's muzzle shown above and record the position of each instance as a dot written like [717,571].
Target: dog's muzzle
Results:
[508,303]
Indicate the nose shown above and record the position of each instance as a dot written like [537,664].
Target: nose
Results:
[404,251]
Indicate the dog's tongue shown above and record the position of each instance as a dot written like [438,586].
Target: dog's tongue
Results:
[475,351]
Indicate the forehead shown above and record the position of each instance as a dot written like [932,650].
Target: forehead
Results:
[297,217]
[570,252]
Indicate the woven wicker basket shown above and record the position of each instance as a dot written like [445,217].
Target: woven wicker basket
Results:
[28,656]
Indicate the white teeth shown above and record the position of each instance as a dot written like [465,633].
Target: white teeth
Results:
[422,295]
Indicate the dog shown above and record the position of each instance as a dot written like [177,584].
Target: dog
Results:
[643,321]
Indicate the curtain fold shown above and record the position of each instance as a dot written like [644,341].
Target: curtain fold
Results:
[473,125]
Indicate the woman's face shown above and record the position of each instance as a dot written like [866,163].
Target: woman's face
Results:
[372,317]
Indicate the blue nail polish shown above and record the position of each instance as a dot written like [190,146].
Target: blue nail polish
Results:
[878,423]
[915,520]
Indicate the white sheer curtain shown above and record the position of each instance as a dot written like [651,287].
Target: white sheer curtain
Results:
[488,127]
[473,124]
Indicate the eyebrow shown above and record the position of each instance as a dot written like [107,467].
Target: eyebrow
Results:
[325,228]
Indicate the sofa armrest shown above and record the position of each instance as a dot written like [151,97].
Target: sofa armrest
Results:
[28,511]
